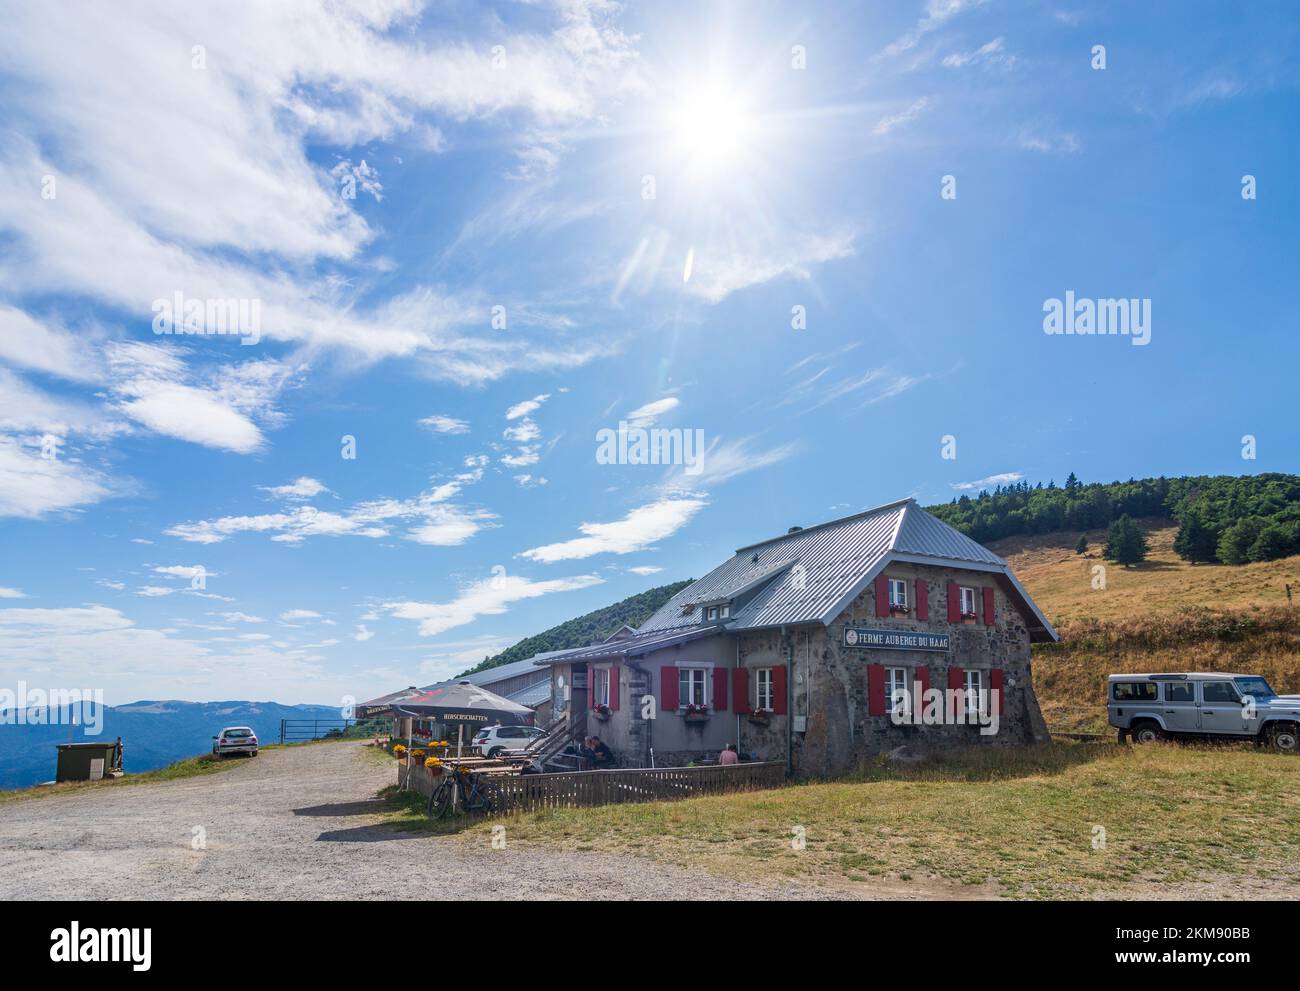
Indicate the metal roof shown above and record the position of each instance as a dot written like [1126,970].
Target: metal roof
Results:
[636,646]
[500,673]
[532,695]
[813,574]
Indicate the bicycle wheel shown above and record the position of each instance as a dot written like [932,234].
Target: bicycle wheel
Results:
[489,797]
[442,800]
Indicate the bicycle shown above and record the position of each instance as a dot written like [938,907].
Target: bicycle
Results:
[476,793]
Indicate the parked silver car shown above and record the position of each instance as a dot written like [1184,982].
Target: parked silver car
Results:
[1203,704]
[235,740]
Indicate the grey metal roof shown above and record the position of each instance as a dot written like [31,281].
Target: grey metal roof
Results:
[500,673]
[638,645]
[813,574]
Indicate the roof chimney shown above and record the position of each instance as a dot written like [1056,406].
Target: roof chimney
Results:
[794,529]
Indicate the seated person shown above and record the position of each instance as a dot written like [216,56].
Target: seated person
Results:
[602,757]
[729,755]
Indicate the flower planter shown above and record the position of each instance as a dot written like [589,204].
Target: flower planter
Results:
[602,716]
[696,717]
[759,718]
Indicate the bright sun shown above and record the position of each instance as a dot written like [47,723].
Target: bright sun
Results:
[711,128]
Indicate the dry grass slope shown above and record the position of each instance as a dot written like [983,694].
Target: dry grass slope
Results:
[1161,615]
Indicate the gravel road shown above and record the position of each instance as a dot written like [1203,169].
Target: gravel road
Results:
[298,823]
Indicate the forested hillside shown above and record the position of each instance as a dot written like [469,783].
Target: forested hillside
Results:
[1223,518]
[591,628]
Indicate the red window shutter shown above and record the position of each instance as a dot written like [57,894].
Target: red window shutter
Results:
[613,687]
[882,595]
[740,690]
[922,599]
[876,689]
[995,684]
[719,689]
[668,695]
[988,606]
[923,676]
[778,691]
[591,687]
[956,677]
[954,603]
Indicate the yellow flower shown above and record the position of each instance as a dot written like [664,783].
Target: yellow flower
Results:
[432,762]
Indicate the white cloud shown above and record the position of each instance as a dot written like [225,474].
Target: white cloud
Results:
[645,416]
[30,343]
[183,570]
[445,424]
[11,593]
[154,591]
[645,569]
[526,407]
[362,634]
[32,486]
[905,116]
[937,14]
[635,532]
[293,615]
[429,517]
[300,488]
[138,216]
[717,274]
[240,617]
[723,461]
[525,431]
[1060,143]
[993,480]
[489,597]
[992,53]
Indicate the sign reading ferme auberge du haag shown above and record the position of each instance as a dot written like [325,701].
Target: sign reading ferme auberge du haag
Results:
[857,636]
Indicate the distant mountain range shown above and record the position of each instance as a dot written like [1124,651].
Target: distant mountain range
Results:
[154,734]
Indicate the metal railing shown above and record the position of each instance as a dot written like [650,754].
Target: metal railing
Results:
[302,730]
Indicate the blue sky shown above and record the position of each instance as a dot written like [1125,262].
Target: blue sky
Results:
[194,530]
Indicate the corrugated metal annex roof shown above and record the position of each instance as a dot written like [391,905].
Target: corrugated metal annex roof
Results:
[635,646]
[500,673]
[813,574]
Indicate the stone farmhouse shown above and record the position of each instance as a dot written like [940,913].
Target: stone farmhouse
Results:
[818,648]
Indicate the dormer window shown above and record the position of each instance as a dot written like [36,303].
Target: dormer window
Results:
[897,595]
[724,610]
[712,614]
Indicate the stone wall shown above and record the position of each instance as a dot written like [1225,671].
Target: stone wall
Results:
[829,683]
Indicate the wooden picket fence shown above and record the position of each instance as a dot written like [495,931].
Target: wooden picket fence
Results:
[581,789]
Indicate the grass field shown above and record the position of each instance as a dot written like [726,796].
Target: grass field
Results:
[1019,822]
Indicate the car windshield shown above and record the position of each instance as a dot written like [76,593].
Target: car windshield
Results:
[1255,688]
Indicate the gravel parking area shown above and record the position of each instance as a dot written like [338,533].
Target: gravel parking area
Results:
[299,823]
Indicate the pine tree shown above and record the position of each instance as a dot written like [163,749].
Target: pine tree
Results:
[1236,541]
[1195,540]
[1125,544]
[1082,545]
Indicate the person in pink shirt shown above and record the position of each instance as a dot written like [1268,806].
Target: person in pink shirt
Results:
[729,755]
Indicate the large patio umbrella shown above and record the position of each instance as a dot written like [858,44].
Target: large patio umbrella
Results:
[459,702]
[465,706]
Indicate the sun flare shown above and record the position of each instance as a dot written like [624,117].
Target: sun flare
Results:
[712,129]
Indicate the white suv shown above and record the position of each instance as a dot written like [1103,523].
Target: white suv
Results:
[491,741]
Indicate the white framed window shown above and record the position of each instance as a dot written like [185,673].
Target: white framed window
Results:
[601,685]
[692,686]
[897,593]
[974,685]
[967,601]
[896,690]
[764,695]
[711,613]
[724,610]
